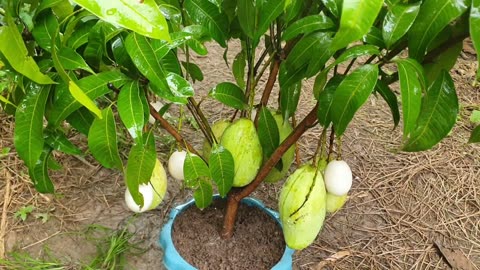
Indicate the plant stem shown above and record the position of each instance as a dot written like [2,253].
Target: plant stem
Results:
[170,129]
[268,87]
[236,195]
[330,146]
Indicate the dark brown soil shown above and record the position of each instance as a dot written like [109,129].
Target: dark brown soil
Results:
[257,244]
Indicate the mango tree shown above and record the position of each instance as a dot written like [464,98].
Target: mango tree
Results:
[99,66]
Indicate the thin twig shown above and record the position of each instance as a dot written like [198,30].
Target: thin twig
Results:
[6,202]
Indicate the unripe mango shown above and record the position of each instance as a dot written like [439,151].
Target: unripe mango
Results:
[302,206]
[217,128]
[334,202]
[241,139]
[284,130]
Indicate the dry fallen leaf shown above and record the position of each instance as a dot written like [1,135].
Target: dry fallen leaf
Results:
[333,258]
[455,258]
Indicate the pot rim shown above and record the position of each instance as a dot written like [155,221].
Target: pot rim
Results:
[173,260]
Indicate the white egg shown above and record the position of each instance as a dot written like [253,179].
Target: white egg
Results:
[175,164]
[147,191]
[338,177]
[157,105]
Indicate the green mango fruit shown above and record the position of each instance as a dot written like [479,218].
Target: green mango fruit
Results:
[217,128]
[302,206]
[334,202]
[284,129]
[241,139]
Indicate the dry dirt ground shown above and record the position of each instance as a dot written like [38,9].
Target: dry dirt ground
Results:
[406,210]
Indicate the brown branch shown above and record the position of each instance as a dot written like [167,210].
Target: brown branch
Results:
[235,196]
[170,129]
[268,87]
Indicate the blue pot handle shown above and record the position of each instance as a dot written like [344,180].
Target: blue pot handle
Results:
[172,259]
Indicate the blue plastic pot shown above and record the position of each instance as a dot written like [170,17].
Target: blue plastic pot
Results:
[172,259]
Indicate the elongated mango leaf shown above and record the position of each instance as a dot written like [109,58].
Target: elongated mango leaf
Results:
[171,64]
[334,6]
[411,90]
[93,86]
[437,117]
[389,96]
[443,61]
[17,56]
[230,95]
[308,25]
[28,134]
[180,87]
[140,165]
[194,168]
[81,120]
[193,70]
[475,136]
[325,100]
[39,173]
[247,10]
[269,11]
[102,140]
[44,30]
[308,49]
[398,21]
[475,30]
[356,19]
[143,17]
[355,52]
[289,97]
[374,37]
[80,36]
[47,4]
[221,165]
[434,16]
[71,60]
[287,78]
[268,132]
[130,109]
[203,12]
[238,69]
[351,94]
[203,195]
[83,98]
[419,69]
[57,140]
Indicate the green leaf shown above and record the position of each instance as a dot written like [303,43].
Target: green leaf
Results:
[143,17]
[194,167]
[398,21]
[374,37]
[197,47]
[389,96]
[268,132]
[411,90]
[102,140]
[146,60]
[195,72]
[238,68]
[437,117]
[288,78]
[221,165]
[230,95]
[418,69]
[434,16]
[475,30]
[45,4]
[140,165]
[355,52]
[443,61]
[475,136]
[289,97]
[44,30]
[351,94]
[203,195]
[96,48]
[83,98]
[81,120]
[308,25]
[475,117]
[309,48]
[204,13]
[94,87]
[357,18]
[130,109]
[57,140]
[28,134]
[39,173]
[71,60]
[180,87]
[80,36]
[247,11]
[269,11]
[325,100]
[333,6]
[170,63]
[17,56]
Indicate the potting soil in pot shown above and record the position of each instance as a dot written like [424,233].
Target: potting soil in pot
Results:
[257,243]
